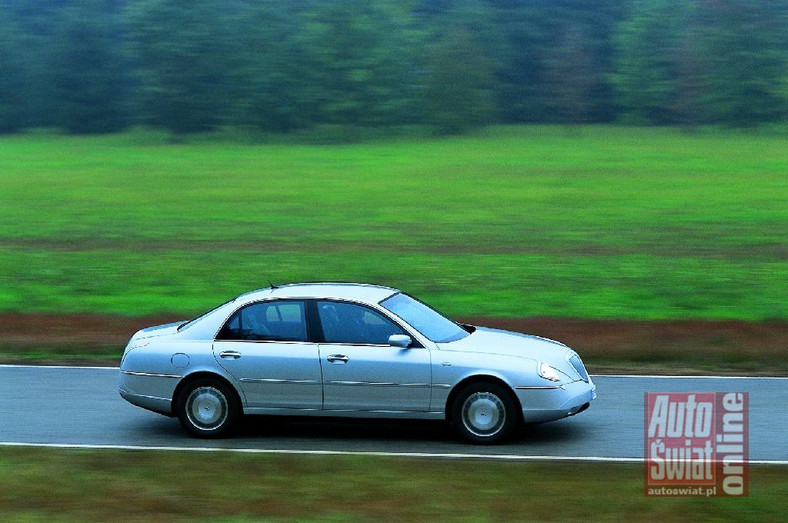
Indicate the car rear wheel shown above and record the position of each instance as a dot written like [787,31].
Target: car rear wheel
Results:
[207,408]
[484,413]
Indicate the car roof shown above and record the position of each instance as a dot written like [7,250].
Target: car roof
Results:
[344,291]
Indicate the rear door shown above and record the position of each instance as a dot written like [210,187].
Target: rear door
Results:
[264,346]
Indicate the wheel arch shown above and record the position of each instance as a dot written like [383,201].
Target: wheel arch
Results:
[475,380]
[204,375]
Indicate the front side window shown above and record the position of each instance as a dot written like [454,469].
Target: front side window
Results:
[350,323]
[267,321]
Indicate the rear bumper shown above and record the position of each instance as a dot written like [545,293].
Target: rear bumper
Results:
[150,391]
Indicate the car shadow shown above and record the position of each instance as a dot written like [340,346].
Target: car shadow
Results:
[361,434]
[402,431]
[343,428]
[564,431]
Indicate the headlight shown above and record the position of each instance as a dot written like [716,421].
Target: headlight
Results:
[548,372]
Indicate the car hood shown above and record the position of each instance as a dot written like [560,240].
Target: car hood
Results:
[507,343]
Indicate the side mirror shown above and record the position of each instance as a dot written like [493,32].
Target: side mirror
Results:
[400,340]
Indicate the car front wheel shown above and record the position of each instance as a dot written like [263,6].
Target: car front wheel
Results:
[207,408]
[484,413]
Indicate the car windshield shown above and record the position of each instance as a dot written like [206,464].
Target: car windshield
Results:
[429,322]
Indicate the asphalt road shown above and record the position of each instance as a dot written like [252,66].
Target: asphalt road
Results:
[81,407]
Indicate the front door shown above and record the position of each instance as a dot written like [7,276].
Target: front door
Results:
[361,371]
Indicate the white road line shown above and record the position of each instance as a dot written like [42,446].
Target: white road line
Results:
[14,366]
[419,455]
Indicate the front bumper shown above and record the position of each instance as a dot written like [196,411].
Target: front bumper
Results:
[549,404]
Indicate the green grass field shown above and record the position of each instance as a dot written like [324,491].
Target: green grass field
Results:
[594,222]
[68,485]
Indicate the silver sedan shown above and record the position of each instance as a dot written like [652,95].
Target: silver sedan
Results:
[349,350]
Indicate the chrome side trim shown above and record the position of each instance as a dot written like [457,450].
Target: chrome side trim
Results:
[278,381]
[379,384]
[543,387]
[145,397]
[347,413]
[149,374]
[283,342]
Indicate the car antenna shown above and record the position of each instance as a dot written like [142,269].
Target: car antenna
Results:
[272,285]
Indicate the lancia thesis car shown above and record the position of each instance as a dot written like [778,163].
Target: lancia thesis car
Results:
[349,350]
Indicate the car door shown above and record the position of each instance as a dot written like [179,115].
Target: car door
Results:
[361,370]
[264,346]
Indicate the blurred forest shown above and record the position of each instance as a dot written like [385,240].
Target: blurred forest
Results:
[97,66]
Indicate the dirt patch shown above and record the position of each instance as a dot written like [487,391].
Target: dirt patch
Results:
[669,347]
[71,339]
[611,338]
[674,347]
[91,329]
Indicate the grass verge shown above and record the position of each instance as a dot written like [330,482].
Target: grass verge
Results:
[602,222]
[78,485]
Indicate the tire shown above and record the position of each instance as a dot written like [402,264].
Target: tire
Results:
[207,408]
[484,413]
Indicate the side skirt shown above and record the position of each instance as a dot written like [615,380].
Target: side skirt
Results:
[374,414]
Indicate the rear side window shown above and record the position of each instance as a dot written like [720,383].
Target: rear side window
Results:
[267,321]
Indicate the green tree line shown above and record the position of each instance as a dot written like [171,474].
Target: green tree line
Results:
[95,66]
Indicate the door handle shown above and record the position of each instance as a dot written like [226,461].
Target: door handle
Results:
[234,354]
[337,357]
